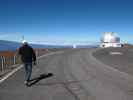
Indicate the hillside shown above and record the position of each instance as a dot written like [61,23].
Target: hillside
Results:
[11,46]
[128,45]
[8,45]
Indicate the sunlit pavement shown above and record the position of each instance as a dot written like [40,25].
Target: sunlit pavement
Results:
[77,76]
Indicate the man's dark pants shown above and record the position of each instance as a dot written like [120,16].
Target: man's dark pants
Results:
[28,70]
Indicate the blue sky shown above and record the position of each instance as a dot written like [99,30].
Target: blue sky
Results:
[65,20]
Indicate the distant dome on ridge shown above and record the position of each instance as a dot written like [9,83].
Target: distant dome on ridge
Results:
[110,39]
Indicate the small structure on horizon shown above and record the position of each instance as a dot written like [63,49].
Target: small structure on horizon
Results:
[74,46]
[110,39]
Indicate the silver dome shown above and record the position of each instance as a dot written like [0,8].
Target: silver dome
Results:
[110,37]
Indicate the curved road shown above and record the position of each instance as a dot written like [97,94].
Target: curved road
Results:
[77,76]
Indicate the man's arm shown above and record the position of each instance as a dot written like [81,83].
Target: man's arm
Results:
[34,56]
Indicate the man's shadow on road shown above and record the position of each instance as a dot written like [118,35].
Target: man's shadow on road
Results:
[39,78]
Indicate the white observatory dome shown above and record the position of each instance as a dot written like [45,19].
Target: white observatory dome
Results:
[110,37]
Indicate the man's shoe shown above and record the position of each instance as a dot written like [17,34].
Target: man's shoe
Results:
[27,83]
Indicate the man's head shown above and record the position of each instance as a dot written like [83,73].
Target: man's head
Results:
[24,42]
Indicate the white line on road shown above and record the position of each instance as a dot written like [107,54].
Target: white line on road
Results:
[115,53]
[19,67]
[52,53]
[11,73]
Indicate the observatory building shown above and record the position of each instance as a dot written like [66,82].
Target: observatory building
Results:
[110,39]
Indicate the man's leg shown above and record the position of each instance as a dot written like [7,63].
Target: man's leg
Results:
[26,73]
[29,71]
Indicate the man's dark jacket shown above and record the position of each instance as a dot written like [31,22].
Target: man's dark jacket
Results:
[27,54]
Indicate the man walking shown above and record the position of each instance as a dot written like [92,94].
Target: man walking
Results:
[27,56]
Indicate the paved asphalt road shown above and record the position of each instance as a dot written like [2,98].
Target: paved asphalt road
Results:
[122,61]
[77,76]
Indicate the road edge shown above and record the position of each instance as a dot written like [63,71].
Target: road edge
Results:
[21,66]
